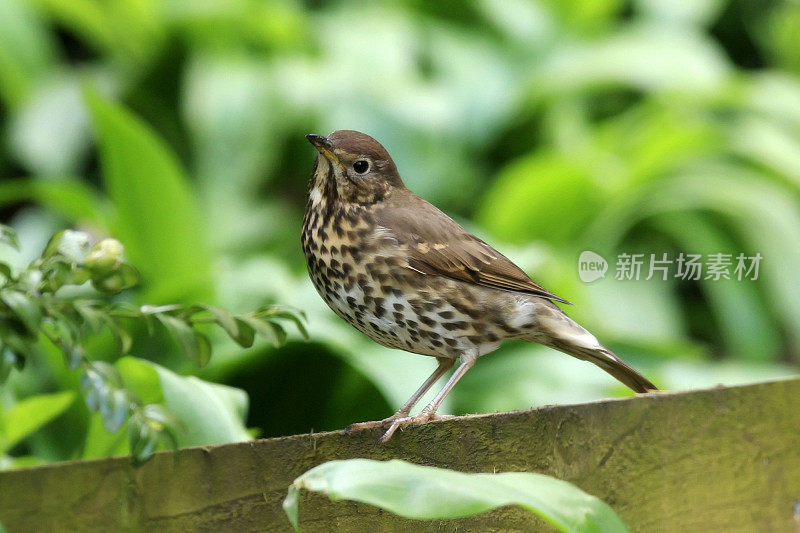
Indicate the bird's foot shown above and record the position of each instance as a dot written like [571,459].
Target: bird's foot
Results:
[386,422]
[421,418]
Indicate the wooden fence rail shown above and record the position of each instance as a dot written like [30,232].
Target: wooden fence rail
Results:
[724,459]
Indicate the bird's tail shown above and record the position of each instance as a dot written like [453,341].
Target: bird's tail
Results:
[608,361]
[559,331]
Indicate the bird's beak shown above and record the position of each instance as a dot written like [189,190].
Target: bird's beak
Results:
[323,146]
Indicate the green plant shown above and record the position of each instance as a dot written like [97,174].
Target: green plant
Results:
[429,493]
[63,296]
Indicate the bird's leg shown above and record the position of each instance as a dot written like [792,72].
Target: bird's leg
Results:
[444,366]
[429,412]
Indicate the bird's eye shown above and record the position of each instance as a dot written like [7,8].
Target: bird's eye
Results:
[361,166]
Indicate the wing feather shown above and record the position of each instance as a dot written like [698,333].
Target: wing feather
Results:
[437,245]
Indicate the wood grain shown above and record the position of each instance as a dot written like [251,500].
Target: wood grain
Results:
[724,459]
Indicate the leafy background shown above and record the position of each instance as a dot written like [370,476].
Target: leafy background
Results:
[547,127]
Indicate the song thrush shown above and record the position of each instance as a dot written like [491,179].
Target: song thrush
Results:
[408,276]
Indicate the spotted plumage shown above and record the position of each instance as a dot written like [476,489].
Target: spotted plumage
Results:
[409,277]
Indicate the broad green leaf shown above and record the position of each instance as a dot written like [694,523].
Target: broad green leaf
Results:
[100,443]
[748,330]
[127,29]
[140,377]
[27,50]
[757,210]
[776,94]
[770,143]
[158,220]
[649,57]
[428,493]
[208,413]
[69,197]
[528,198]
[30,414]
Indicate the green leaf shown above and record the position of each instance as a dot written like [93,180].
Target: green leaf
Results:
[27,51]
[529,196]
[25,308]
[5,271]
[115,410]
[427,493]
[194,344]
[151,425]
[99,383]
[210,413]
[236,329]
[30,414]
[164,238]
[93,317]
[143,439]
[297,317]
[141,378]
[747,329]
[246,333]
[647,56]
[68,197]
[270,330]
[127,30]
[121,336]
[9,236]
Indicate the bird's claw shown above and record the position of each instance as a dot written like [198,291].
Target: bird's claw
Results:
[393,422]
[373,423]
[421,418]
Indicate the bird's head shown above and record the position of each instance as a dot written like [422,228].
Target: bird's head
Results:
[353,166]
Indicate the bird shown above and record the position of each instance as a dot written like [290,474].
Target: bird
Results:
[408,276]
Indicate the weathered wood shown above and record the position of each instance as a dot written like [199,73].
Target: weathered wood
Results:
[725,459]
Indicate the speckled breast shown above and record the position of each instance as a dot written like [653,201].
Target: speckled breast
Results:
[363,278]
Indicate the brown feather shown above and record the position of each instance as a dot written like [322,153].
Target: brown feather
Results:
[438,245]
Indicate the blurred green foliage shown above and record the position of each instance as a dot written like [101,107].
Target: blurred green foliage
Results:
[63,297]
[547,127]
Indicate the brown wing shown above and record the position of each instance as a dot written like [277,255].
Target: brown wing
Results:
[437,244]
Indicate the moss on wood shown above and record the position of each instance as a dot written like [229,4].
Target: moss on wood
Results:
[725,459]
